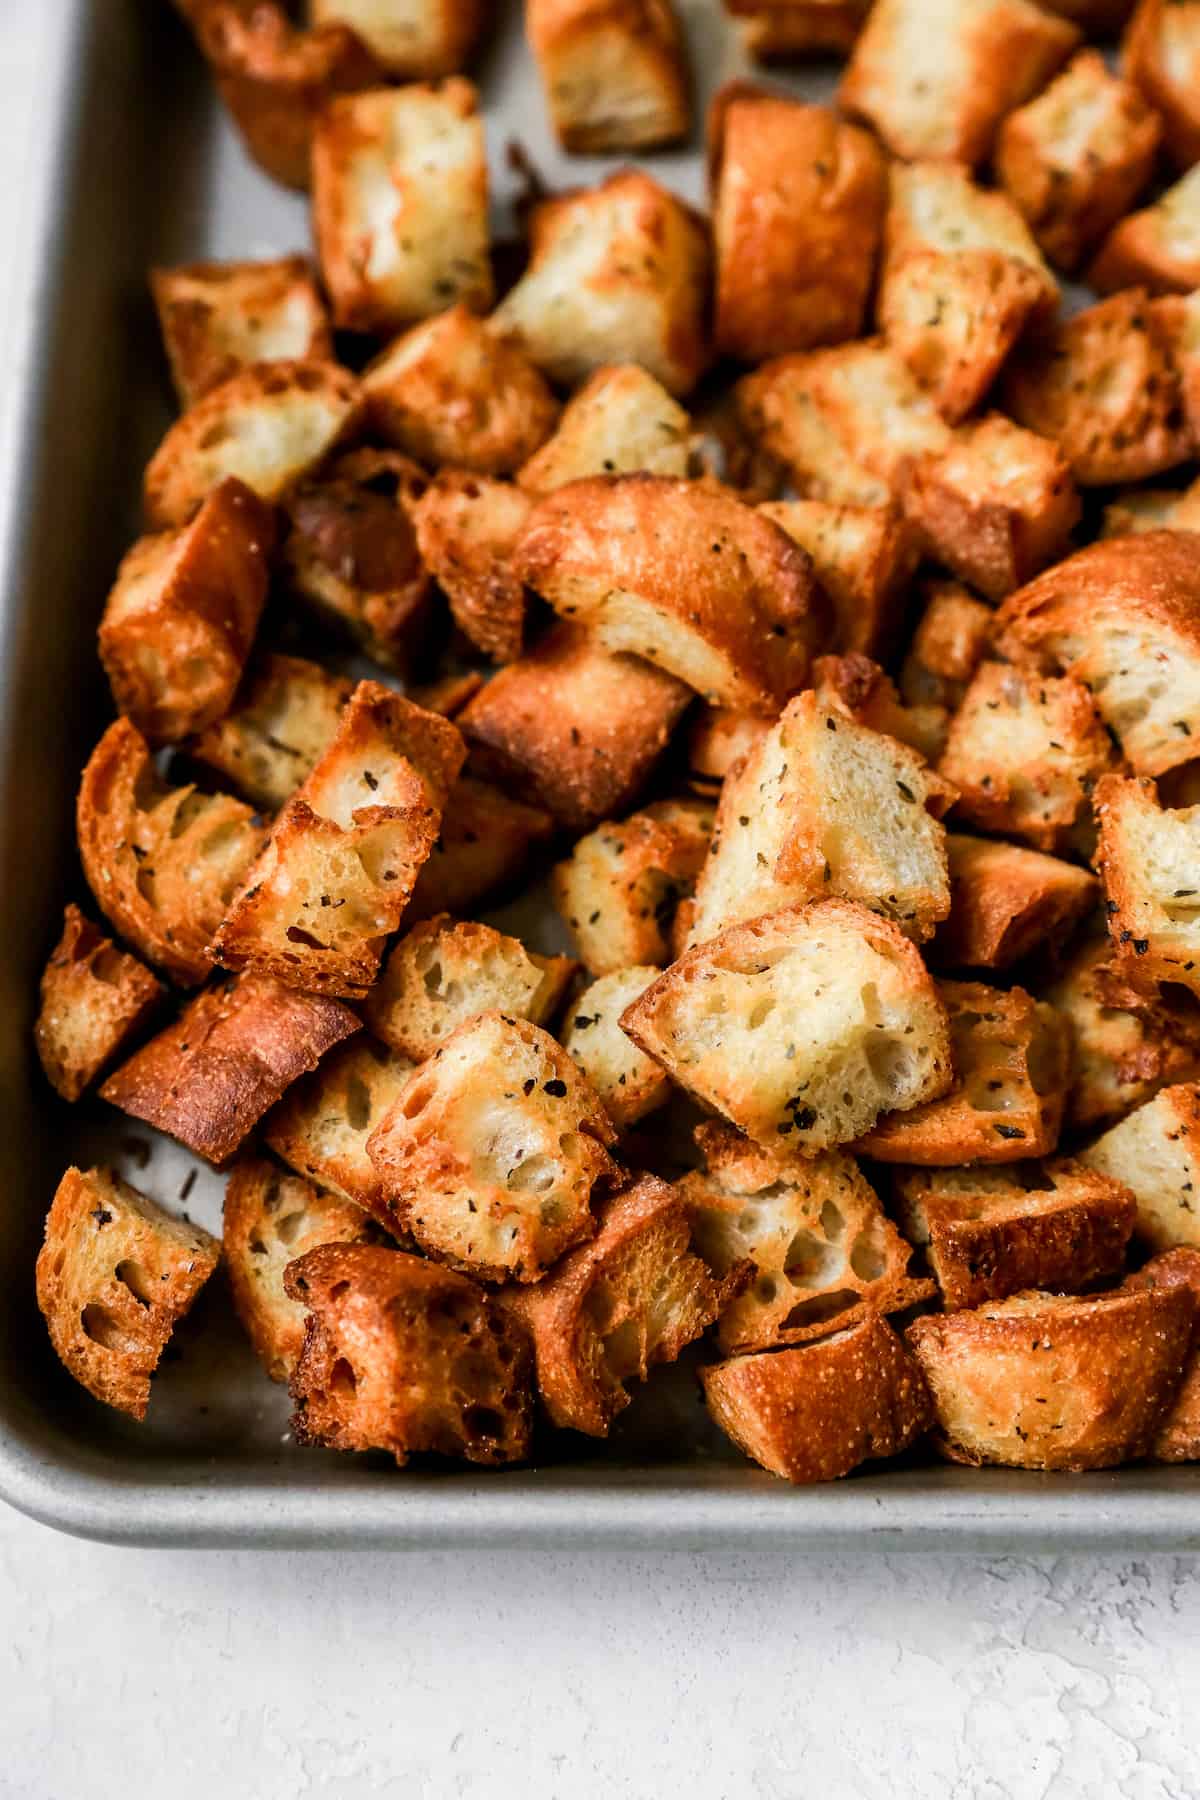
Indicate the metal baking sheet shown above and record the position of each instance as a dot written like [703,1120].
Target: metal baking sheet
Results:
[135,165]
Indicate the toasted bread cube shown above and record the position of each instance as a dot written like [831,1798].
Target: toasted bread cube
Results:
[1178,1436]
[467,531]
[815,1412]
[94,1000]
[218,318]
[718,740]
[631,1297]
[162,862]
[797,200]
[411,40]
[620,886]
[1104,387]
[682,575]
[1149,859]
[447,694]
[614,72]
[1161,53]
[846,423]
[617,273]
[342,857]
[485,842]
[1005,901]
[1125,1046]
[1123,617]
[621,420]
[783,29]
[864,558]
[824,807]
[491,1153]
[1155,1150]
[321,1126]
[114,1277]
[1075,158]
[801,1027]
[281,721]
[935,77]
[181,616]
[1157,248]
[270,1219]
[400,204]
[573,727]
[402,1356]
[952,637]
[822,1250]
[630,1084]
[857,689]
[995,506]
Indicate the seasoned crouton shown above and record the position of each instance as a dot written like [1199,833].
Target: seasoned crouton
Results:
[572,726]
[270,1219]
[95,999]
[467,530]
[281,721]
[718,739]
[163,862]
[620,886]
[411,40]
[621,421]
[820,1245]
[1178,1437]
[951,640]
[491,1153]
[445,971]
[1161,54]
[823,807]
[402,1356]
[1076,157]
[797,203]
[800,1027]
[485,841]
[1158,248]
[400,204]
[935,77]
[617,273]
[782,29]
[114,1277]
[1125,1046]
[864,558]
[1149,859]
[815,1412]
[1047,1381]
[1155,1150]
[268,426]
[218,318]
[683,576]
[1123,617]
[614,72]
[1006,900]
[181,616]
[858,689]
[630,1084]
[342,857]
[321,1126]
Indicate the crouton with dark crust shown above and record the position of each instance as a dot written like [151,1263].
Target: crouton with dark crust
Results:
[321,1126]
[780,30]
[1155,1150]
[1005,901]
[1125,1045]
[621,885]
[281,721]
[218,318]
[95,999]
[1178,1437]
[614,72]
[485,842]
[468,527]
[858,689]
[620,421]
[864,558]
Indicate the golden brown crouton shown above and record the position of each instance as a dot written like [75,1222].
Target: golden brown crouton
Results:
[490,1155]
[411,40]
[617,273]
[863,556]
[281,721]
[783,29]
[573,727]
[935,77]
[1156,248]
[857,689]
[95,1000]
[614,72]
[321,1126]
[620,886]
[342,857]
[114,1277]
[1155,1150]
[718,739]
[619,422]
[485,842]
[1124,1046]
[218,318]
[1178,1436]
[1046,1381]
[1148,856]
[1006,900]
[270,1219]
[467,530]
[402,1356]
[1075,158]
[1161,53]
[815,1412]
[163,862]
[952,637]
[447,694]
[630,1084]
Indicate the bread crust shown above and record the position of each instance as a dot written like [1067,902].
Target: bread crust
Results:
[218,317]
[1005,901]
[95,1000]
[621,885]
[614,72]
[1161,53]
[864,558]
[467,531]
[281,722]
[1178,1437]
[620,421]
[321,1126]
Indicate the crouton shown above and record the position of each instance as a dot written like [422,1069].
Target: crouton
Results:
[1005,901]
[1161,54]
[400,204]
[268,426]
[797,204]
[94,1000]
[621,421]
[1158,248]
[163,862]
[402,1356]
[864,558]
[485,841]
[282,719]
[491,1153]
[824,807]
[1178,1436]
[411,40]
[218,318]
[180,619]
[271,1219]
[1103,386]
[857,689]
[683,576]
[718,739]
[629,1083]
[1123,617]
[815,1412]
[321,1126]
[1075,158]
[722,450]
[952,637]
[572,726]
[114,1277]
[617,273]
[846,423]
[1124,1046]
[467,530]
[445,971]
[1153,509]
[1047,1381]
[1148,856]
[614,72]
[1064,1228]
[935,77]
[783,29]
[620,886]
[447,694]
[1155,1150]
[342,857]
[800,1027]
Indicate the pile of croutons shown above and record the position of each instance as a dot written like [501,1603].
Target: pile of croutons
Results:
[781,585]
